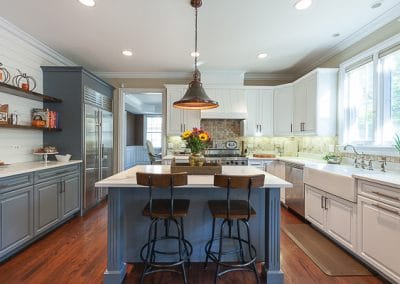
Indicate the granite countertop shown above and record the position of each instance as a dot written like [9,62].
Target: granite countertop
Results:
[128,178]
[28,167]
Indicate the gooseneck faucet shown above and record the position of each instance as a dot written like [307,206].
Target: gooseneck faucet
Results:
[356,163]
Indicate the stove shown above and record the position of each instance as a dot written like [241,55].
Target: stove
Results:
[226,157]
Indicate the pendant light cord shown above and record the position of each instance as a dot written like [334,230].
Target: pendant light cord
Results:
[195,40]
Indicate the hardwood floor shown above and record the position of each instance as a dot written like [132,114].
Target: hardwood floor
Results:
[76,253]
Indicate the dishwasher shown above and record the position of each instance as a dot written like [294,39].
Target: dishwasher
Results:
[294,197]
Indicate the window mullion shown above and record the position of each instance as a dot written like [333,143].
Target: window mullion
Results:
[379,101]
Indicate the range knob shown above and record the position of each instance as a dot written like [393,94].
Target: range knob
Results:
[236,163]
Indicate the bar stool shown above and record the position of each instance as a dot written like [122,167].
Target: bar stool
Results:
[167,211]
[231,211]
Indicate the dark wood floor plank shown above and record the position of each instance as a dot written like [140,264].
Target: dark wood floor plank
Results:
[76,253]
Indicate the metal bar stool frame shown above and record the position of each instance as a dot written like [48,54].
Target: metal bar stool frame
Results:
[216,256]
[185,249]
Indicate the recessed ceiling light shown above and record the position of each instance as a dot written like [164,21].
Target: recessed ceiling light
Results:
[195,54]
[303,4]
[336,35]
[262,55]
[127,52]
[376,5]
[88,3]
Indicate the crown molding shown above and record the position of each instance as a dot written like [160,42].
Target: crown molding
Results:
[35,43]
[363,32]
[144,75]
[270,76]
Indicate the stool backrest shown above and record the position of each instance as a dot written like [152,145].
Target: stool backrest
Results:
[239,182]
[162,181]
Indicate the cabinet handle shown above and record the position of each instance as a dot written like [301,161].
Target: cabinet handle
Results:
[326,207]
[260,128]
[291,127]
[322,202]
[387,196]
[386,209]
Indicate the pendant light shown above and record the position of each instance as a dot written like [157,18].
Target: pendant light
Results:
[195,96]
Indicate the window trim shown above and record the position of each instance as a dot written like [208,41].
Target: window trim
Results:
[145,129]
[373,52]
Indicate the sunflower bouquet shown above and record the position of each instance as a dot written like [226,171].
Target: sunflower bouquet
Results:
[196,139]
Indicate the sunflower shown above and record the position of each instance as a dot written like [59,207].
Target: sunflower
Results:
[186,134]
[203,137]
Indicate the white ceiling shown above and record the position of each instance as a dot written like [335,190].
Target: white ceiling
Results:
[143,103]
[161,32]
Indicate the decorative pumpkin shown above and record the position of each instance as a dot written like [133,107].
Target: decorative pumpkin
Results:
[23,81]
[4,74]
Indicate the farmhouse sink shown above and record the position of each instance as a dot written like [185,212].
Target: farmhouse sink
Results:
[334,179]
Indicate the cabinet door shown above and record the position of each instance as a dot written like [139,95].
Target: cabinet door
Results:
[174,115]
[283,111]
[300,105]
[341,221]
[16,218]
[47,205]
[266,108]
[70,197]
[379,229]
[314,206]
[311,84]
[252,121]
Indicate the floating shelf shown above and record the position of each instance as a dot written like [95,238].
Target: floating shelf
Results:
[29,127]
[9,89]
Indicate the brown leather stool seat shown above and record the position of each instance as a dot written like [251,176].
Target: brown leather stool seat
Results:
[162,208]
[238,209]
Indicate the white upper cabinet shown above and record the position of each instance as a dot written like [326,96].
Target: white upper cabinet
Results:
[260,112]
[232,103]
[179,120]
[283,110]
[315,98]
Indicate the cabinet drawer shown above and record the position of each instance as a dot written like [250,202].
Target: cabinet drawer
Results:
[45,175]
[14,182]
[386,194]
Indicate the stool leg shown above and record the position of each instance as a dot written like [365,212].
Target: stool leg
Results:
[153,255]
[146,263]
[178,227]
[253,265]
[219,250]
[184,243]
[208,249]
[240,240]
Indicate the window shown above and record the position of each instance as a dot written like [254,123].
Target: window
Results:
[369,103]
[154,130]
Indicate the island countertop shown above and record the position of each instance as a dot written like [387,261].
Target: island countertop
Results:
[127,179]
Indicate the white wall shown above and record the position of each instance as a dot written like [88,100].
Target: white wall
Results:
[20,50]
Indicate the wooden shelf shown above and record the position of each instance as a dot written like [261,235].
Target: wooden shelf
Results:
[29,127]
[9,89]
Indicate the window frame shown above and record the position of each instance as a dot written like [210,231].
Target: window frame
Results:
[343,116]
[161,132]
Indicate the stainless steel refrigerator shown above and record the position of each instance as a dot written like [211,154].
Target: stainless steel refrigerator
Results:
[98,156]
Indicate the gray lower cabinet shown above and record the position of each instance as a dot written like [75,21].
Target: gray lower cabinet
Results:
[16,218]
[32,204]
[47,204]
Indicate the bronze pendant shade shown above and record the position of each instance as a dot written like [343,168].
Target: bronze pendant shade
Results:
[195,97]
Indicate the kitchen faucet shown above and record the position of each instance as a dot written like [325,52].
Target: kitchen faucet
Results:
[356,163]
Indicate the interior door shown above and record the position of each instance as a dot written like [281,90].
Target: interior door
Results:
[92,153]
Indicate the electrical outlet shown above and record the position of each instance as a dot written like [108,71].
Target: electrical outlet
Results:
[16,147]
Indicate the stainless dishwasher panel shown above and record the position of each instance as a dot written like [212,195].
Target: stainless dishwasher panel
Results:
[294,197]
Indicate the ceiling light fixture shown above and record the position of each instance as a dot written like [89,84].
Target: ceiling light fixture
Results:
[88,3]
[262,55]
[195,54]
[127,52]
[376,5]
[303,4]
[195,96]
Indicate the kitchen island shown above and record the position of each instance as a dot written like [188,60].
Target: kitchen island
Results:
[127,227]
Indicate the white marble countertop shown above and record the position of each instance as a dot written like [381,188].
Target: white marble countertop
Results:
[128,178]
[28,167]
